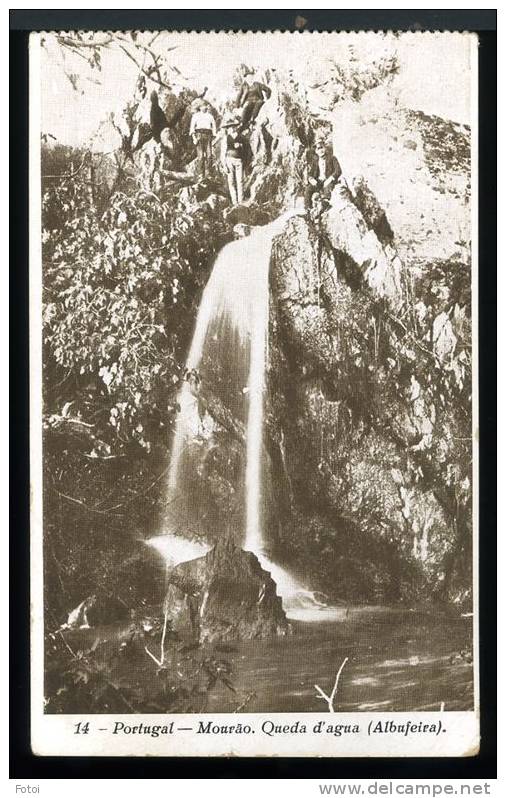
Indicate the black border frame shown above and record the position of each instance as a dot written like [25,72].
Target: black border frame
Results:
[23,763]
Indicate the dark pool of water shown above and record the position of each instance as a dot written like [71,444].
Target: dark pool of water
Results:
[398,660]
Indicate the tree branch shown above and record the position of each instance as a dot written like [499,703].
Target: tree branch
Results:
[86,506]
[141,68]
[330,698]
[73,44]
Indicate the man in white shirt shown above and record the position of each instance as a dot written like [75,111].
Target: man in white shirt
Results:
[203,132]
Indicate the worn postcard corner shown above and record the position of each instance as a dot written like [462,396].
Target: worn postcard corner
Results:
[253,381]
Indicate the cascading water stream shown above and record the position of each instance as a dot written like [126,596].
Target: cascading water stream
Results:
[236,298]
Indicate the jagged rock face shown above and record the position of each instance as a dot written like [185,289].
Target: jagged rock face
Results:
[354,237]
[225,595]
[279,146]
[316,271]
[340,435]
[418,167]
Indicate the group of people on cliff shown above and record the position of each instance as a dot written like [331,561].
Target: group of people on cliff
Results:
[235,131]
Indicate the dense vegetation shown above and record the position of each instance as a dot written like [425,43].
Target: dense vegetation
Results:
[125,258]
[368,416]
[122,277]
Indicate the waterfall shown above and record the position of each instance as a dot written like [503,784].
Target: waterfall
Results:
[258,346]
[233,320]
[236,297]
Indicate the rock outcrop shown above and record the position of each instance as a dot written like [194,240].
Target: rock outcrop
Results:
[225,595]
[356,454]
[417,166]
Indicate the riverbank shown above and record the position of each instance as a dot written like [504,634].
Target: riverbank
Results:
[398,660]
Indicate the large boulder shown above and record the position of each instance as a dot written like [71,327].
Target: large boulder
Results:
[225,595]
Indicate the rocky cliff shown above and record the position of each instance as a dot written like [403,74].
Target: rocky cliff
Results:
[369,420]
[366,451]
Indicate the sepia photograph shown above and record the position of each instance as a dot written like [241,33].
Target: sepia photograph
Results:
[253,385]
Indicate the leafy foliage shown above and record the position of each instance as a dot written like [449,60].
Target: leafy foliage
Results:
[120,293]
[111,672]
[352,77]
[123,273]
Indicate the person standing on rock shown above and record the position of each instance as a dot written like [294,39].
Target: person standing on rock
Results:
[251,97]
[323,173]
[233,154]
[203,132]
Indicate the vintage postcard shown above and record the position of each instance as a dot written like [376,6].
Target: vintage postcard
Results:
[253,383]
